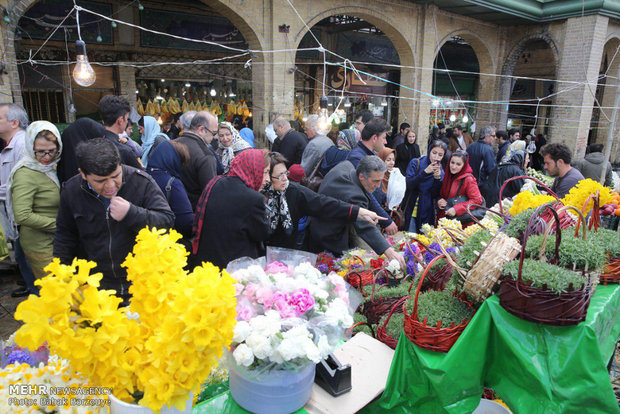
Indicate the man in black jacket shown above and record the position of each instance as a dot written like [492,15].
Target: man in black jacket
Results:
[103,209]
[290,143]
[114,111]
[355,186]
[202,165]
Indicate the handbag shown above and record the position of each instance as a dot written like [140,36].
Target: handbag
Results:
[466,218]
[315,178]
[398,217]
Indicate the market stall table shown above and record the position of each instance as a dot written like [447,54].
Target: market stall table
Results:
[534,368]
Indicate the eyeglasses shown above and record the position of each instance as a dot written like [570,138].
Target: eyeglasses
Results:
[214,133]
[281,177]
[42,153]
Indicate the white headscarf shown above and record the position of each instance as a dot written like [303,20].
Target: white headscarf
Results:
[30,161]
[237,144]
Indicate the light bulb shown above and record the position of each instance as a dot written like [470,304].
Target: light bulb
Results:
[384,102]
[187,85]
[114,25]
[465,118]
[347,103]
[83,73]
[323,115]
[99,39]
[213,92]
[250,115]
[159,120]
[140,6]
[435,102]
[163,80]
[452,118]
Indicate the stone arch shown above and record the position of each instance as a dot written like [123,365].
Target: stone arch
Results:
[400,43]
[486,64]
[510,64]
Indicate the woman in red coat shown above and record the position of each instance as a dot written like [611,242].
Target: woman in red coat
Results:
[458,181]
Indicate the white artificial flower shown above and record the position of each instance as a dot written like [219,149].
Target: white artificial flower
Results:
[273,315]
[393,267]
[243,355]
[241,331]
[288,349]
[324,347]
[308,271]
[265,326]
[311,351]
[261,346]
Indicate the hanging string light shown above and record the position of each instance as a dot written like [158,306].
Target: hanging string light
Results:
[323,114]
[83,73]
[384,102]
[347,103]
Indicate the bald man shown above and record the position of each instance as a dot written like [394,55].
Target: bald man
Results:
[202,164]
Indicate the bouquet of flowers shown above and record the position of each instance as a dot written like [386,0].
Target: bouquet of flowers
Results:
[58,387]
[289,317]
[155,352]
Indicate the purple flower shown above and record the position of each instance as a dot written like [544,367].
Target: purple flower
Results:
[411,267]
[301,301]
[20,356]
[323,268]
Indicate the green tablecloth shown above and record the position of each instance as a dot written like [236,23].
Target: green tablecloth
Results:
[224,404]
[534,368]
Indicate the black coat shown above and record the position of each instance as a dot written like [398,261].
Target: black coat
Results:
[333,234]
[85,228]
[235,224]
[201,167]
[128,157]
[291,145]
[305,202]
[405,152]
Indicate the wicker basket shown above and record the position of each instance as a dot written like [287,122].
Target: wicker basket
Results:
[541,305]
[382,334]
[434,338]
[377,306]
[611,272]
[361,278]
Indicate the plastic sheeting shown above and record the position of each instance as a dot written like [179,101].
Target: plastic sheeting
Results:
[534,368]
[224,404]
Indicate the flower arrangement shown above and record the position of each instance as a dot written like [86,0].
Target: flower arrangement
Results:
[288,317]
[57,385]
[153,353]
[547,180]
[14,354]
[526,200]
[578,195]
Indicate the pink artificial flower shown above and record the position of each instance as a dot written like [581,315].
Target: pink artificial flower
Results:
[249,291]
[264,296]
[281,304]
[277,267]
[301,301]
[238,289]
[244,313]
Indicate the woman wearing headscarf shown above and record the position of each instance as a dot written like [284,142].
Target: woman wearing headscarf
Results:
[347,140]
[231,144]
[248,136]
[231,219]
[518,145]
[288,202]
[80,130]
[392,190]
[514,167]
[458,181]
[424,177]
[151,138]
[407,151]
[165,167]
[33,194]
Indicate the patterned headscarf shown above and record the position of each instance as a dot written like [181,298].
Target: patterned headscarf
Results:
[277,208]
[514,147]
[348,139]
[249,165]
[237,144]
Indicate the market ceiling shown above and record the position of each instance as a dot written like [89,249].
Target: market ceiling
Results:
[527,11]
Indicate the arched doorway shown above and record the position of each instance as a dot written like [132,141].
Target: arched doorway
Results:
[529,85]
[357,40]
[606,91]
[455,81]
[145,73]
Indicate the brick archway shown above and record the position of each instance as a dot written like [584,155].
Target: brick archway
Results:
[510,63]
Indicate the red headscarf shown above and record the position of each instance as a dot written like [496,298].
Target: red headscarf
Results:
[249,165]
[450,178]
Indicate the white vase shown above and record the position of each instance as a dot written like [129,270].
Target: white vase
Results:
[120,407]
[275,392]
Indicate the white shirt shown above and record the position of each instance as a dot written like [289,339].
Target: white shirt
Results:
[461,141]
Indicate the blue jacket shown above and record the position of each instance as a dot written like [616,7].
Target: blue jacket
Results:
[422,188]
[481,160]
[332,157]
